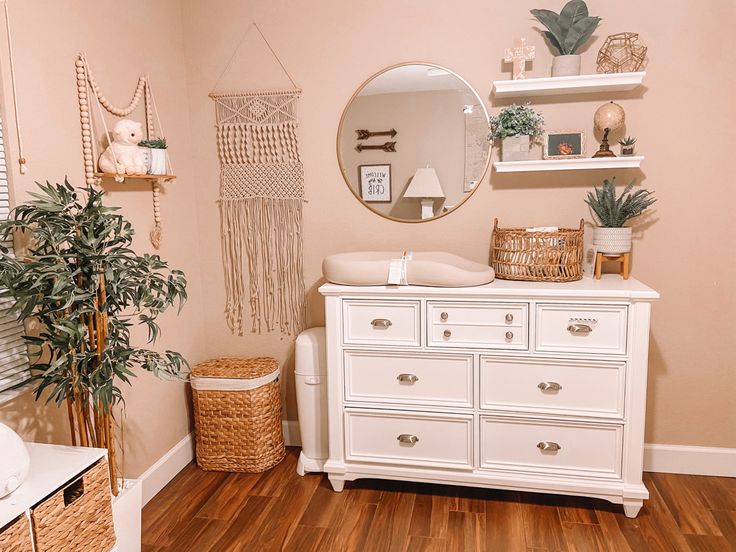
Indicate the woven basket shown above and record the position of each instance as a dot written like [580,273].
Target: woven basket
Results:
[77,517]
[16,536]
[537,256]
[237,429]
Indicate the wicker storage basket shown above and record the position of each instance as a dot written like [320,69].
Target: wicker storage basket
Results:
[237,414]
[77,517]
[16,536]
[537,256]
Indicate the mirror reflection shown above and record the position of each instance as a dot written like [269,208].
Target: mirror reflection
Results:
[412,142]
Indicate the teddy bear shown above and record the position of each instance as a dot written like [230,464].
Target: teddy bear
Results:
[124,155]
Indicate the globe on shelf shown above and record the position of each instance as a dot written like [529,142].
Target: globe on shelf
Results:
[608,118]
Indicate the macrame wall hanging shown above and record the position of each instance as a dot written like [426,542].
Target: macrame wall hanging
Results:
[87,90]
[261,196]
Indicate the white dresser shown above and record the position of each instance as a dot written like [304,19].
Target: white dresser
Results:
[514,385]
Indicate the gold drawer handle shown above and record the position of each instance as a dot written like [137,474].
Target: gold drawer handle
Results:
[443,316]
[579,329]
[447,334]
[509,318]
[407,378]
[509,336]
[381,323]
[548,446]
[407,439]
[549,386]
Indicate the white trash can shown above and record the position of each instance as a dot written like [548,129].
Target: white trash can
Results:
[310,372]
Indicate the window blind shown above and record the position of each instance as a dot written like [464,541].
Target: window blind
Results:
[14,367]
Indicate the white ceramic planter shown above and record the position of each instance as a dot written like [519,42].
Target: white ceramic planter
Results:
[612,240]
[126,512]
[157,161]
[565,66]
[515,148]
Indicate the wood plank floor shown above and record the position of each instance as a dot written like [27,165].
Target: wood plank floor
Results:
[278,510]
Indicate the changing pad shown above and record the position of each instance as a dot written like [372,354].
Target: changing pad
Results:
[425,268]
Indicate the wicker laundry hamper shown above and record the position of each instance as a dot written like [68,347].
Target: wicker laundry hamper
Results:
[237,414]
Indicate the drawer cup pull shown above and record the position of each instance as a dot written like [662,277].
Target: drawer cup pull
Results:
[443,316]
[447,333]
[407,378]
[548,446]
[549,386]
[381,323]
[407,439]
[509,335]
[509,318]
[579,329]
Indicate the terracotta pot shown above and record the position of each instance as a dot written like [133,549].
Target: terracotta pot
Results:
[612,240]
[515,148]
[565,66]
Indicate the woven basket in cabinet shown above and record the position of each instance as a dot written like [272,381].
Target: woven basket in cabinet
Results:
[77,517]
[237,414]
[16,536]
[517,254]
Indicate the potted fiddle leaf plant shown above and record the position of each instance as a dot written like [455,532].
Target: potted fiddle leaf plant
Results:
[156,155]
[516,126]
[567,32]
[627,146]
[83,284]
[611,236]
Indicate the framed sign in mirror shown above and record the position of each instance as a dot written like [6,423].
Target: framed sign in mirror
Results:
[412,142]
[375,183]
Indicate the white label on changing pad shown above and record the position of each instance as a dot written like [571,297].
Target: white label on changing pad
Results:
[396,272]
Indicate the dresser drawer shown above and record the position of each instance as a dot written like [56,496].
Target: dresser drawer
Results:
[389,323]
[478,325]
[409,438]
[540,446]
[584,329]
[552,386]
[409,378]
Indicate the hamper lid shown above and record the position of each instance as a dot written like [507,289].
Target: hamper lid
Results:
[236,368]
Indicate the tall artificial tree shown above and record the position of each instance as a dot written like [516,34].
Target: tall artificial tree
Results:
[86,287]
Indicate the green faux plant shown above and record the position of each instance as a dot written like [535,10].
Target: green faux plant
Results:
[516,120]
[86,287]
[628,141]
[570,29]
[612,211]
[156,143]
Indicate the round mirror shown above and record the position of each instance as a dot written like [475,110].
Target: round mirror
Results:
[412,142]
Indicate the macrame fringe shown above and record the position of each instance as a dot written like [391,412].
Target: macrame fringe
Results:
[264,234]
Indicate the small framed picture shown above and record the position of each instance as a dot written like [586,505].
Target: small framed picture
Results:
[564,145]
[375,183]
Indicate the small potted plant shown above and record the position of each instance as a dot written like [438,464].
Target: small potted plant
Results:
[516,126]
[610,236]
[156,155]
[627,145]
[567,32]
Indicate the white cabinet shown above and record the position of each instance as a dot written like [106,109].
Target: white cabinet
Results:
[515,385]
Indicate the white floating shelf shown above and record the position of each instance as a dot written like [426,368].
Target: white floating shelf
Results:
[578,84]
[583,164]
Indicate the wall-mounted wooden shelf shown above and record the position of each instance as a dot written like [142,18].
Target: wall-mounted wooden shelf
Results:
[578,84]
[587,163]
[161,177]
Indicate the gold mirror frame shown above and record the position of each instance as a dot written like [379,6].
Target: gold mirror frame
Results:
[339,137]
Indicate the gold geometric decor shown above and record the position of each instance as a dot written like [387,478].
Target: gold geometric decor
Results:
[621,53]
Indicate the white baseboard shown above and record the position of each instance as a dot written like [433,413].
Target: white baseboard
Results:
[292,437]
[690,460]
[157,476]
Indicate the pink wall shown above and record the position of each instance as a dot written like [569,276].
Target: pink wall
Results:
[683,118]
